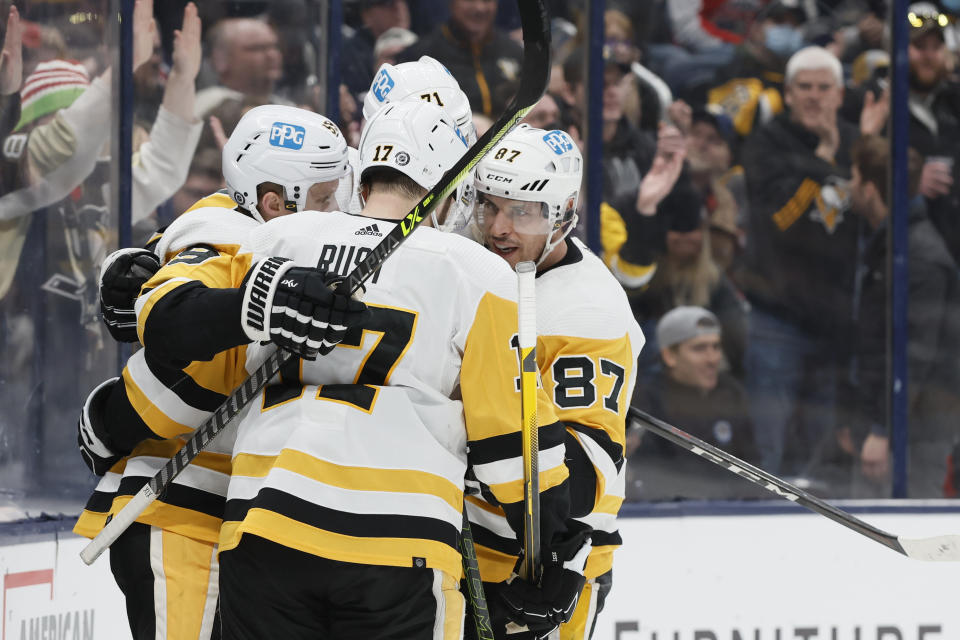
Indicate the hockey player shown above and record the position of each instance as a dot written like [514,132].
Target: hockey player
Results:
[344,508]
[432,82]
[277,161]
[588,342]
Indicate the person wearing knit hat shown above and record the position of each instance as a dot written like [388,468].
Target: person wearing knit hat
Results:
[53,85]
[692,391]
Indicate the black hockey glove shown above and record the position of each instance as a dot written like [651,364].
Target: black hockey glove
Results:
[296,309]
[121,276]
[543,606]
[95,445]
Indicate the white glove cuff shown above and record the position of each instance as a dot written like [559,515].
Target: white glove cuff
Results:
[579,561]
[258,295]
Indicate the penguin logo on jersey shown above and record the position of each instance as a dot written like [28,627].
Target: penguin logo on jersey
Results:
[559,141]
[382,85]
[288,136]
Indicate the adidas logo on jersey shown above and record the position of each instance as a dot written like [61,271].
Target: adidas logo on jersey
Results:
[372,230]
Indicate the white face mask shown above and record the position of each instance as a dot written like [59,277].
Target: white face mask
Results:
[783,39]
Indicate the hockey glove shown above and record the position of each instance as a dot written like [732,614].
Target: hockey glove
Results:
[95,444]
[295,308]
[122,275]
[543,606]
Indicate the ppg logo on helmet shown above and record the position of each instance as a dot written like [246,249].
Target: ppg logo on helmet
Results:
[289,136]
[382,85]
[559,141]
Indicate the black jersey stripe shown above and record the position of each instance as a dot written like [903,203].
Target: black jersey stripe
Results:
[486,538]
[602,438]
[185,387]
[358,525]
[178,495]
[600,538]
[510,445]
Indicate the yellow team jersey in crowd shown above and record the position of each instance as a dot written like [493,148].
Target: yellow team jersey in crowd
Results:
[172,403]
[360,456]
[587,348]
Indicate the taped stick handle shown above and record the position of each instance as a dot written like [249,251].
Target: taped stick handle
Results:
[527,341]
[118,524]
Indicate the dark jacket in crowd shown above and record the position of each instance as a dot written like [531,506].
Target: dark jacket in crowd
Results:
[943,140]
[357,61]
[933,336]
[801,248]
[9,113]
[662,470]
[478,69]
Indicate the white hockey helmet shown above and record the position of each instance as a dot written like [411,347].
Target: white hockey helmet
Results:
[534,165]
[291,147]
[426,79]
[413,137]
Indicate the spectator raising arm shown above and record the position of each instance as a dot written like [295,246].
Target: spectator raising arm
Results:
[11,74]
[161,165]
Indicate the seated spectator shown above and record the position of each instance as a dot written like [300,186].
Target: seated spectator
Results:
[245,56]
[749,88]
[691,392]
[358,58]
[699,47]
[479,55]
[799,261]
[686,275]
[934,121]
[203,179]
[933,336]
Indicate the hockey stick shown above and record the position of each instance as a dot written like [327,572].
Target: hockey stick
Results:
[944,548]
[534,74]
[471,573]
[527,343]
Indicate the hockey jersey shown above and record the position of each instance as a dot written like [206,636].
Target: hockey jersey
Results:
[587,348]
[165,403]
[360,456]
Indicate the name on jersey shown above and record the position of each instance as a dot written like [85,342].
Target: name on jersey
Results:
[288,136]
[342,259]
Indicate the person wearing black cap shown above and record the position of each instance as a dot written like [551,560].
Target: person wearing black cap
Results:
[935,119]
[687,275]
[691,391]
[376,16]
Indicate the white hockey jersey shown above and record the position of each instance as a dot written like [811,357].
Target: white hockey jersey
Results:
[587,347]
[360,456]
[172,402]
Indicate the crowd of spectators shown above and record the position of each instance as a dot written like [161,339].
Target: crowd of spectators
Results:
[743,184]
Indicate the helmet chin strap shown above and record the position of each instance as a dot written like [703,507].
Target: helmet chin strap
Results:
[550,244]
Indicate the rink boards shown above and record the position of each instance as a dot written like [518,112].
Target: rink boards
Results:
[689,572]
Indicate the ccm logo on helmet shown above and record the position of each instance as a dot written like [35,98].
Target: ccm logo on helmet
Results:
[558,141]
[498,178]
[382,85]
[289,136]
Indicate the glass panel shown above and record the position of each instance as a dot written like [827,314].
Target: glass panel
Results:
[57,226]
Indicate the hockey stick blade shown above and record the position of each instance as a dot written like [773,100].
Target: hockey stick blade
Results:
[938,548]
[534,75]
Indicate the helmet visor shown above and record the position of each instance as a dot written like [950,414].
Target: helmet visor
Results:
[525,217]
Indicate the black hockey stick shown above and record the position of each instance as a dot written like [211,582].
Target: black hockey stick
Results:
[534,74]
[471,574]
[944,548]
